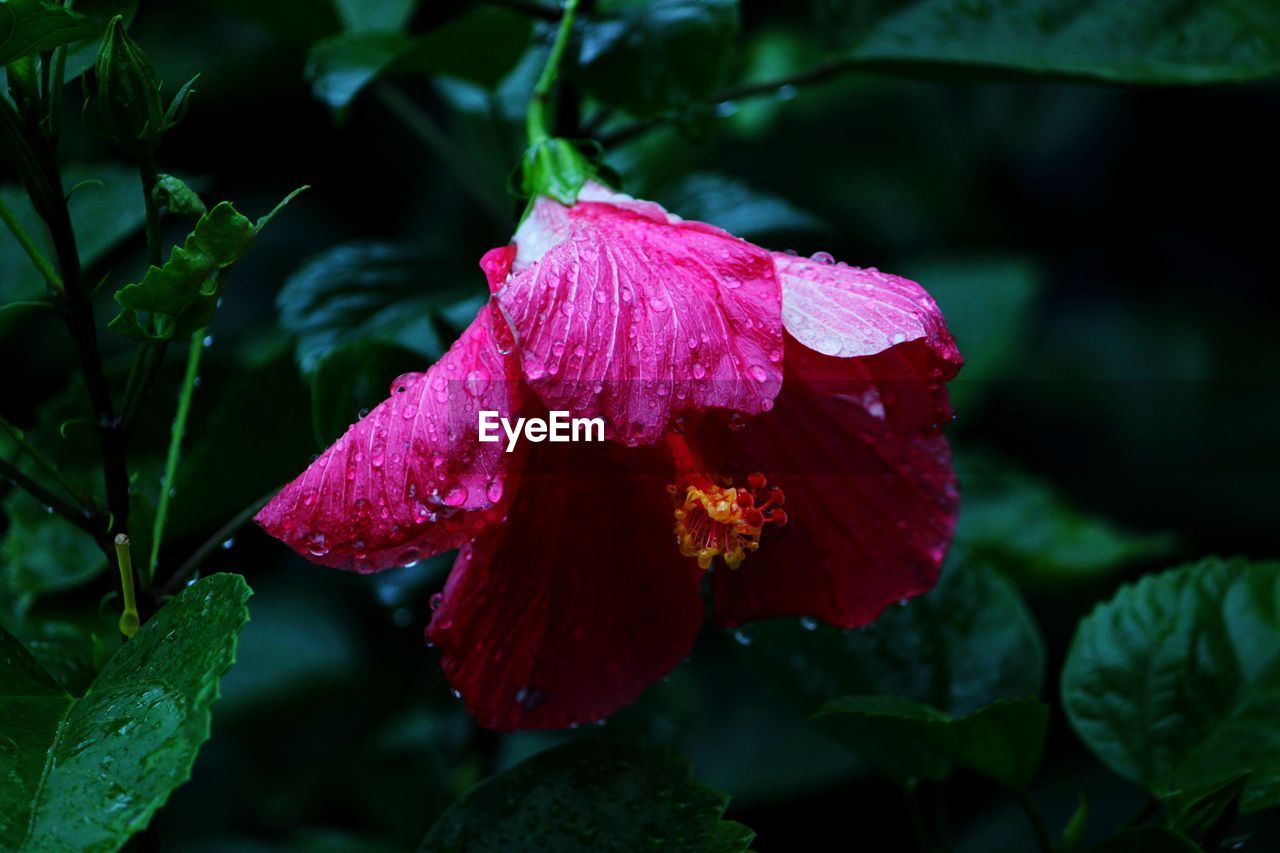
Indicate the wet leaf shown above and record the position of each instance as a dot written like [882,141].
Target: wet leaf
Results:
[85,773]
[1175,682]
[604,794]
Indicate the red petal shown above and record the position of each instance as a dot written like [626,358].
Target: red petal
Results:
[411,478]
[845,311]
[496,264]
[871,508]
[636,318]
[566,612]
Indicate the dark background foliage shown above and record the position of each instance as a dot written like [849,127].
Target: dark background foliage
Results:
[1104,253]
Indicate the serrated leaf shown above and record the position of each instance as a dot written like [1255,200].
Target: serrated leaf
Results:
[86,773]
[182,295]
[604,794]
[28,27]
[1143,41]
[907,739]
[966,644]
[1175,682]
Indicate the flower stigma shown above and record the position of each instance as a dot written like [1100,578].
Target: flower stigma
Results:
[725,521]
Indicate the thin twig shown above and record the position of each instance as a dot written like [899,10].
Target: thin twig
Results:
[62,507]
[223,533]
[20,438]
[819,73]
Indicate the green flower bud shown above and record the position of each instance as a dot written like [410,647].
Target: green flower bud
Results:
[126,96]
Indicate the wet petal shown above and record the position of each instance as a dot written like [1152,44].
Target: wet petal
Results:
[410,479]
[845,311]
[565,612]
[871,507]
[636,317]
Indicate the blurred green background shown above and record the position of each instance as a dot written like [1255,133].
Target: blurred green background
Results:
[1103,254]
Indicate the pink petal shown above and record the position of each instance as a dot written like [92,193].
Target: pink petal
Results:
[567,611]
[496,264]
[410,479]
[845,311]
[871,506]
[636,317]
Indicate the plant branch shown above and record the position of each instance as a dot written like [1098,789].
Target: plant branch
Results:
[175,450]
[421,125]
[62,507]
[78,312]
[188,568]
[29,246]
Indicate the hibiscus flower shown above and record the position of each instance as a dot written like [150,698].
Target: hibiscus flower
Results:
[771,419]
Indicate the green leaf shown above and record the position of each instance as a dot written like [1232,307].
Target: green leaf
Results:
[604,794]
[354,378]
[28,27]
[105,210]
[449,50]
[85,773]
[1031,533]
[339,67]
[966,644]
[907,739]
[1146,839]
[42,553]
[653,56]
[372,291]
[1142,41]
[1207,818]
[742,210]
[177,196]
[17,315]
[375,14]
[1175,682]
[182,295]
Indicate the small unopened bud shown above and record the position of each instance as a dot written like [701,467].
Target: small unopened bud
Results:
[126,94]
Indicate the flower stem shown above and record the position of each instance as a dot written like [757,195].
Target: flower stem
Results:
[536,122]
[175,449]
[29,246]
[129,621]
